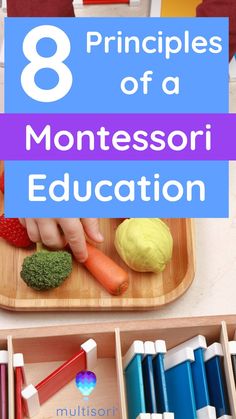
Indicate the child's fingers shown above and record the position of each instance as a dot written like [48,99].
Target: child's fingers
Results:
[74,234]
[23,222]
[32,230]
[91,227]
[50,233]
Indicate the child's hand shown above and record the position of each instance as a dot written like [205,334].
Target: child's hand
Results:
[57,232]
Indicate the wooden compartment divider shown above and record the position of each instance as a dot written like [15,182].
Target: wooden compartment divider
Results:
[113,340]
[224,339]
[120,375]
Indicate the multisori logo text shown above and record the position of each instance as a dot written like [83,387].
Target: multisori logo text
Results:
[86,382]
[87,411]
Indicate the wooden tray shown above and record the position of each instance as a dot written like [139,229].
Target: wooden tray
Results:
[82,292]
[113,340]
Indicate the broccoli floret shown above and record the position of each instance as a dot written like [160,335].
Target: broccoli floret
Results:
[45,270]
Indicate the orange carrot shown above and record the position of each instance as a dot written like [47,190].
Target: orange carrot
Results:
[110,275]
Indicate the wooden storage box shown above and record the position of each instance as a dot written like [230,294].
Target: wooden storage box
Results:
[46,348]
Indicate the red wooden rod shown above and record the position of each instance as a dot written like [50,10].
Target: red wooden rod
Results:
[61,376]
[3,391]
[18,388]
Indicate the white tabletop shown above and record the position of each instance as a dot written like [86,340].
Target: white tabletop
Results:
[213,290]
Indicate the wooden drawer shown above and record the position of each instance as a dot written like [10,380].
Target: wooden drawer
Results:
[46,348]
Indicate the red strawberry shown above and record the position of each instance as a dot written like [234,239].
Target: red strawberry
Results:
[13,232]
[2,182]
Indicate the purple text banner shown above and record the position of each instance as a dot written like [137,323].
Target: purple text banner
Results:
[118,137]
